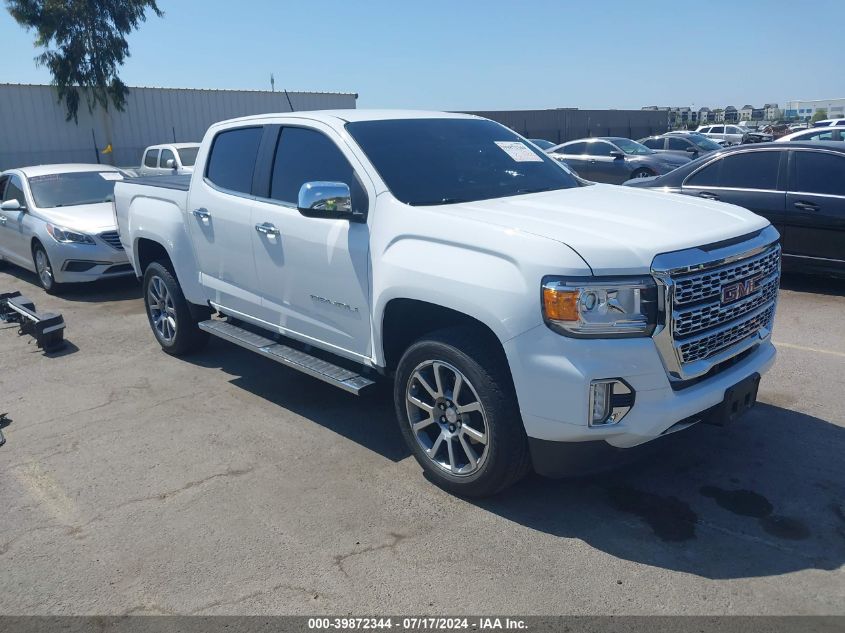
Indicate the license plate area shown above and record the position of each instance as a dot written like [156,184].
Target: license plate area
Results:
[738,400]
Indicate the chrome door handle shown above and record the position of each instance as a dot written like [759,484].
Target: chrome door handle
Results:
[2,219]
[806,206]
[708,196]
[267,229]
[202,214]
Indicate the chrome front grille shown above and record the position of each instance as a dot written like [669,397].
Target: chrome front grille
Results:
[112,239]
[717,302]
[713,313]
[705,285]
[705,346]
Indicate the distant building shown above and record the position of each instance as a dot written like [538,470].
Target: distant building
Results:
[704,116]
[718,115]
[731,114]
[804,110]
[746,113]
[772,112]
[35,130]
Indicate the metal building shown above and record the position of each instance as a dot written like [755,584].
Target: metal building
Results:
[559,126]
[34,131]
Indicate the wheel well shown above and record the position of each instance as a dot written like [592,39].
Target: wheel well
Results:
[407,320]
[149,252]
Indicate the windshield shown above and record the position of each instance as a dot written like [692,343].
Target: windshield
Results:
[631,147]
[65,190]
[702,142]
[444,161]
[188,155]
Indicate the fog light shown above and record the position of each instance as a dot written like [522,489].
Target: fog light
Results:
[610,401]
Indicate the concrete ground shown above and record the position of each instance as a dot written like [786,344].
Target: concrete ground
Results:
[133,482]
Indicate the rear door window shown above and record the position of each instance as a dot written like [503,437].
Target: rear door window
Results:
[751,170]
[231,163]
[151,158]
[677,144]
[817,172]
[654,143]
[572,148]
[719,129]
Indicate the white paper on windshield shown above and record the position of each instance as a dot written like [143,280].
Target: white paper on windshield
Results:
[110,175]
[519,151]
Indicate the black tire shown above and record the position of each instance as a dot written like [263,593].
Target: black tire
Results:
[506,458]
[46,281]
[643,173]
[186,336]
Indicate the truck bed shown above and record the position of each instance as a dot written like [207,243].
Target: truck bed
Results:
[180,182]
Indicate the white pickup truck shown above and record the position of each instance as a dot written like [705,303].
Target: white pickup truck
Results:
[526,317]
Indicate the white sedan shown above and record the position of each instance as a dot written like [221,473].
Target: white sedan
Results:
[57,221]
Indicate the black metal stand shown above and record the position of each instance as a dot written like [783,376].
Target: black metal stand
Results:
[47,328]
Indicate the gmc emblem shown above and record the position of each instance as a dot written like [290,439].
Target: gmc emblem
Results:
[739,290]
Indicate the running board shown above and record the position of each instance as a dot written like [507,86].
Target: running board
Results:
[293,358]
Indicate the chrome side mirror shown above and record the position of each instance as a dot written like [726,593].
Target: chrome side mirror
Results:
[170,163]
[12,205]
[322,199]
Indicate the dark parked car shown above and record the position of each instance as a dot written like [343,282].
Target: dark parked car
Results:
[798,186]
[542,143]
[691,145]
[614,159]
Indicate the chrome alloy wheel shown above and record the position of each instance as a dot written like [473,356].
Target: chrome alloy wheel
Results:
[447,418]
[42,266]
[162,310]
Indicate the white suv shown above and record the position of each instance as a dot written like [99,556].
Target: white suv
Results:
[731,133]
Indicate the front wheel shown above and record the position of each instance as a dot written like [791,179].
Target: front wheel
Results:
[44,269]
[643,173]
[168,312]
[458,414]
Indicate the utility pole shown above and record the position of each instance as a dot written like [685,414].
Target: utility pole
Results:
[272,83]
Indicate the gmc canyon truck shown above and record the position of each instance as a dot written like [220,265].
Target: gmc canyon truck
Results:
[527,318]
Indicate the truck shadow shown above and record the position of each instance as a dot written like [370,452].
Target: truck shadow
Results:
[761,498]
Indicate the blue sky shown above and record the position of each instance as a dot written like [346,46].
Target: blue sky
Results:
[485,55]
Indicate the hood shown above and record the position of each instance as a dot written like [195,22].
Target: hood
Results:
[616,230]
[85,218]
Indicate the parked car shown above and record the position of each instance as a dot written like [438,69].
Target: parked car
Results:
[815,134]
[168,159]
[690,145]
[829,123]
[614,160]
[542,143]
[733,134]
[795,127]
[57,221]
[798,186]
[514,307]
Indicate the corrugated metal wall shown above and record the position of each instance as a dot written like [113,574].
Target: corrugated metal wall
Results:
[560,126]
[33,129]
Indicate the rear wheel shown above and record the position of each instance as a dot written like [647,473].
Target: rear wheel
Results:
[168,312]
[643,173]
[458,414]
[44,269]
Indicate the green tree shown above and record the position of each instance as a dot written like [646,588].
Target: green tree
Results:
[819,115]
[85,44]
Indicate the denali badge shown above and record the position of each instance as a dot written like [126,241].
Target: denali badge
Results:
[739,290]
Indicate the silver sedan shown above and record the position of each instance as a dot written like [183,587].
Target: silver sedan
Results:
[57,221]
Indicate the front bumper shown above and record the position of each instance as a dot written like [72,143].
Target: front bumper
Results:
[75,263]
[552,375]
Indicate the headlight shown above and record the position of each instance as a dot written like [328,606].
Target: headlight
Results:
[600,307]
[66,236]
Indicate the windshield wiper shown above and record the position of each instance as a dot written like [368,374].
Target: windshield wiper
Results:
[431,203]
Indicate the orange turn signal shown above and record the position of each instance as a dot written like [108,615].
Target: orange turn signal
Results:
[560,304]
